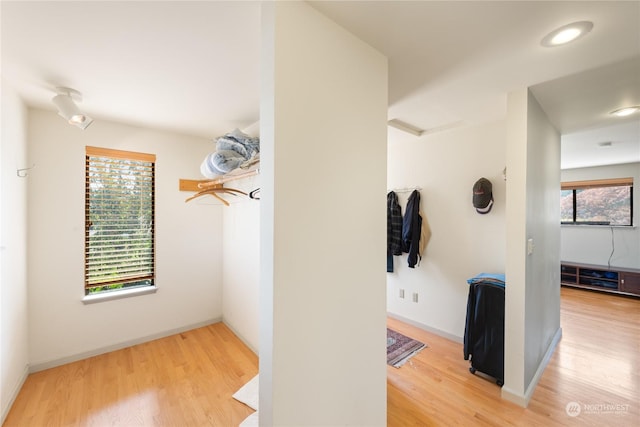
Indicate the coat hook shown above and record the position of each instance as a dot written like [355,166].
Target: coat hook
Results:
[24,172]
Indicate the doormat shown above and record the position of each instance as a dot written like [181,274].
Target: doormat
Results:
[401,348]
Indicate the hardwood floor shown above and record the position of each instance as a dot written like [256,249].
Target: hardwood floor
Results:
[188,379]
[596,365]
[182,380]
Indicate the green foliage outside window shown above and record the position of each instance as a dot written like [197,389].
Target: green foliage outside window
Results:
[119,215]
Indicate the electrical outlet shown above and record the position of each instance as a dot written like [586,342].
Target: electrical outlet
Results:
[401,295]
[415,297]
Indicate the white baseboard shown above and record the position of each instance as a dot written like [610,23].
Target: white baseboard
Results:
[247,343]
[102,350]
[14,393]
[438,332]
[523,400]
[513,397]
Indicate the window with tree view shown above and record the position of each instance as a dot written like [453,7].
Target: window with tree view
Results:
[601,202]
[119,220]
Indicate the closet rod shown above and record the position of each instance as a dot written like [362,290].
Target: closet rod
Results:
[227,178]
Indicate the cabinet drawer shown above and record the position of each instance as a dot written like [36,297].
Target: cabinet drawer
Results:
[630,282]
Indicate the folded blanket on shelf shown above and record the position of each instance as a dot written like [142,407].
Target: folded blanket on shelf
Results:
[233,150]
[208,168]
[227,160]
[239,142]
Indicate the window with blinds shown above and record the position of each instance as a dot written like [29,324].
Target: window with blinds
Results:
[119,220]
[598,202]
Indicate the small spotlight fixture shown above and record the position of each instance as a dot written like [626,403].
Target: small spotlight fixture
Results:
[567,33]
[626,111]
[65,102]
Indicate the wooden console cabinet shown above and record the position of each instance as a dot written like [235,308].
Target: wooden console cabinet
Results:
[596,277]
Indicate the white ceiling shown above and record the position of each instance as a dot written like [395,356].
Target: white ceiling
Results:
[194,67]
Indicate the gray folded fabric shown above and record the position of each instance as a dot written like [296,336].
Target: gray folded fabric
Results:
[252,144]
[227,160]
[232,150]
[239,142]
[208,168]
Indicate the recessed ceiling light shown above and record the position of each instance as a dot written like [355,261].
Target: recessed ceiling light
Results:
[626,111]
[567,33]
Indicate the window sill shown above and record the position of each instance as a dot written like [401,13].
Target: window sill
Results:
[113,295]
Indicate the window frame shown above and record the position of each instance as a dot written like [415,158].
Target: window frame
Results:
[597,183]
[147,161]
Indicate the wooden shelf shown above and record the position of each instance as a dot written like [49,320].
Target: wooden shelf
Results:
[215,187]
[193,184]
[596,277]
[201,184]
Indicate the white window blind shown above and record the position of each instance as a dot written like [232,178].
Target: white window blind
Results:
[119,220]
[598,183]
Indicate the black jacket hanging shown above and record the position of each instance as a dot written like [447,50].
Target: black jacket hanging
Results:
[411,226]
[394,229]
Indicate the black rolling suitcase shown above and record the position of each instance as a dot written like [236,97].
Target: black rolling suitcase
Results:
[484,329]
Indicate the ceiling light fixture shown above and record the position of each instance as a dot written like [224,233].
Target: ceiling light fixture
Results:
[567,33]
[626,111]
[65,102]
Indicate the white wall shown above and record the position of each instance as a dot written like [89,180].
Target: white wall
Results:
[188,243]
[463,243]
[532,314]
[515,297]
[323,172]
[542,310]
[593,244]
[13,250]
[241,263]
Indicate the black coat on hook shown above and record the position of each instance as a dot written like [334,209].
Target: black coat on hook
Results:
[411,227]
